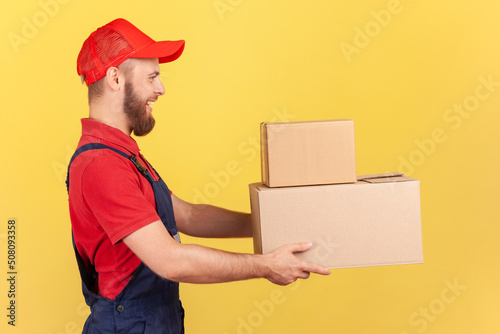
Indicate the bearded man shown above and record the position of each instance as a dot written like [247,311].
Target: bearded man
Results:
[125,220]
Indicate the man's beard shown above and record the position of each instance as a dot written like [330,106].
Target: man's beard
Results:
[135,109]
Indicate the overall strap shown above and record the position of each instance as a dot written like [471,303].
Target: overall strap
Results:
[98,146]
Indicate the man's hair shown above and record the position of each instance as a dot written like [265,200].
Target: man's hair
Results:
[96,89]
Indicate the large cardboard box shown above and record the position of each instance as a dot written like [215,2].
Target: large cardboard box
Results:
[307,153]
[375,221]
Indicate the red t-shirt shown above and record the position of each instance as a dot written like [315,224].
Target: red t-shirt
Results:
[108,200]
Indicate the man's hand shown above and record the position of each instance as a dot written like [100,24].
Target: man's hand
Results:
[285,268]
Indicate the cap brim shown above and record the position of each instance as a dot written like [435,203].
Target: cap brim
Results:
[165,51]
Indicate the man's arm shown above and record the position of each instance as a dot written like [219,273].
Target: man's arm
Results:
[207,221]
[198,264]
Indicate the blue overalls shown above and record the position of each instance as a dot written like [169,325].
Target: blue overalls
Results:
[148,303]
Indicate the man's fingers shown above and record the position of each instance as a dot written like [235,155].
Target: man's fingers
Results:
[288,267]
[300,247]
[305,275]
[314,268]
[309,267]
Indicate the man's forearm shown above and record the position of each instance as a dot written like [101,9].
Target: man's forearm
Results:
[208,221]
[213,222]
[198,264]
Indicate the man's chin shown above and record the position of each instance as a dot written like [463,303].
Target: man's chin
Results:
[141,131]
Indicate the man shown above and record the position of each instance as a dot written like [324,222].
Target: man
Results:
[125,220]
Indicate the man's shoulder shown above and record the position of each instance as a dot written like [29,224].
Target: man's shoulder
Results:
[101,160]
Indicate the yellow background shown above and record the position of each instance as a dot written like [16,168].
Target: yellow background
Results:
[399,69]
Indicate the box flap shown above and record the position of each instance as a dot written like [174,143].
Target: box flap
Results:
[255,217]
[385,177]
[308,122]
[264,158]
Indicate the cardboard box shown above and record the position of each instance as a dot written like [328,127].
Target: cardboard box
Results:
[373,222]
[307,153]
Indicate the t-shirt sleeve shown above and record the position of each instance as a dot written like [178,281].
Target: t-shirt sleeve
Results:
[112,191]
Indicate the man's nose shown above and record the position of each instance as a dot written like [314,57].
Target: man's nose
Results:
[159,89]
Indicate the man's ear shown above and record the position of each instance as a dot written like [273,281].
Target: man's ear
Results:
[114,79]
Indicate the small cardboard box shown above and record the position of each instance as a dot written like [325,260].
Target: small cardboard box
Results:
[307,153]
[373,222]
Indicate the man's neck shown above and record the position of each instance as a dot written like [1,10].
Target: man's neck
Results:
[110,115]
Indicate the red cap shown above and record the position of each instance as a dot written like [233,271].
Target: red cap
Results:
[117,41]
